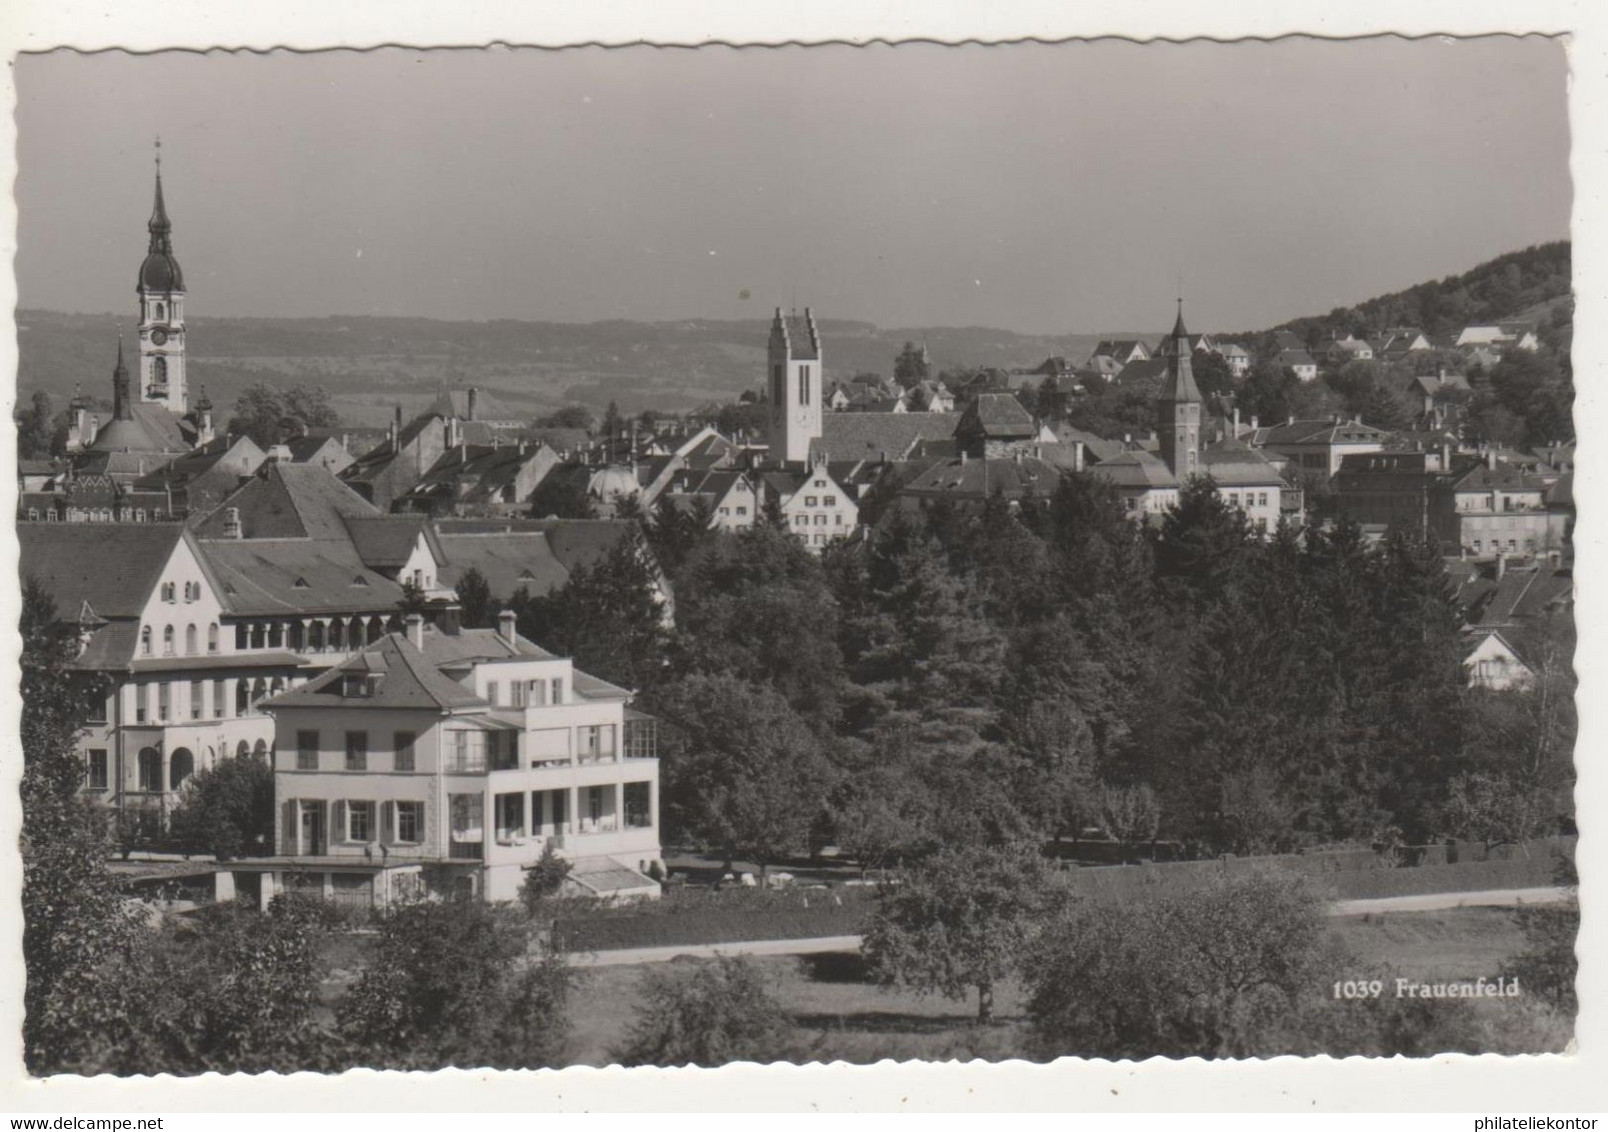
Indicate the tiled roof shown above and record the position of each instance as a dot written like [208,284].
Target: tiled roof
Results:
[406,680]
[1098,448]
[1234,464]
[386,542]
[852,436]
[1527,591]
[443,649]
[977,479]
[1326,431]
[582,542]
[996,415]
[115,570]
[1151,370]
[507,560]
[492,467]
[596,688]
[1480,477]
[1136,468]
[130,436]
[291,501]
[111,647]
[560,439]
[262,576]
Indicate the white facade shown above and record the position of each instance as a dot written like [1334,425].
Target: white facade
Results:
[483,788]
[820,510]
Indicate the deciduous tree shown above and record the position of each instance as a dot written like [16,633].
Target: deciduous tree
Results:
[962,919]
[711,1013]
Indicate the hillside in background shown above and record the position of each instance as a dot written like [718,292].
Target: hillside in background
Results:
[1526,285]
[370,364]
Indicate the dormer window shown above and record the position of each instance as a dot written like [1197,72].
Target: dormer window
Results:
[359,685]
[169,591]
[357,581]
[300,584]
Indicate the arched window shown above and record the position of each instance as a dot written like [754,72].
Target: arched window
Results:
[261,750]
[242,696]
[212,637]
[167,640]
[182,766]
[159,371]
[161,311]
[189,640]
[243,750]
[145,640]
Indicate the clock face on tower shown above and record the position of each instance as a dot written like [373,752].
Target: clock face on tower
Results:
[159,336]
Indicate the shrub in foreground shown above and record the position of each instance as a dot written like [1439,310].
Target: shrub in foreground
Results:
[708,1013]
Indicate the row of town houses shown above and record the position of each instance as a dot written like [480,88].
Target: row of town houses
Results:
[1130,358]
[299,605]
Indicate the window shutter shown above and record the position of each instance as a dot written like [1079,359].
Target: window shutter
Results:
[338,822]
[292,830]
[387,822]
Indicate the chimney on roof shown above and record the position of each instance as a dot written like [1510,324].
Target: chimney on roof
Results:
[1490,459]
[1236,422]
[506,621]
[474,395]
[1290,420]
[1501,565]
[1256,424]
[231,523]
[415,629]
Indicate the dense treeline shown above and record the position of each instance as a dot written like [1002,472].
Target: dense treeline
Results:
[1004,673]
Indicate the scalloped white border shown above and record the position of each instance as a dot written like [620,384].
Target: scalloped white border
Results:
[1488,1084]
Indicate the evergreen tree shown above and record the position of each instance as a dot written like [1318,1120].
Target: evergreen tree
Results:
[83,944]
[756,604]
[477,607]
[608,616]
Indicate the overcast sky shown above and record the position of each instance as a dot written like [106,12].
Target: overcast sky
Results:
[1039,188]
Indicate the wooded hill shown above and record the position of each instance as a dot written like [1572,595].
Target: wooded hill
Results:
[1520,286]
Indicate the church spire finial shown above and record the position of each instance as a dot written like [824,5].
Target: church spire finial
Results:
[122,406]
[160,227]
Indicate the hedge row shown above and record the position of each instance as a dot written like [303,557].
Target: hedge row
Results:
[716,918]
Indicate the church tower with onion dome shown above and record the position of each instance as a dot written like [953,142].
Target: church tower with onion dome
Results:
[161,326]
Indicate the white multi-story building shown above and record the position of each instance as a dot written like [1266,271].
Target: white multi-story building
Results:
[467,753]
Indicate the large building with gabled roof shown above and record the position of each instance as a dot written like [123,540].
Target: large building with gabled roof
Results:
[471,751]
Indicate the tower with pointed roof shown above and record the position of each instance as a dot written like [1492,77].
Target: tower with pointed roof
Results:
[161,327]
[794,387]
[1178,407]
